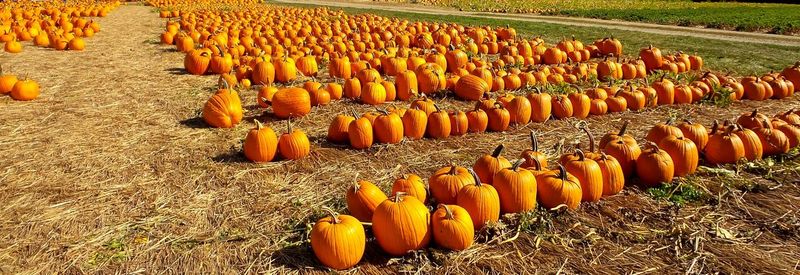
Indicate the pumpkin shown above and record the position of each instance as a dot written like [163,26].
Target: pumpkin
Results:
[792,132]
[338,130]
[519,110]
[363,198]
[7,82]
[388,128]
[588,174]
[285,69]
[683,152]
[401,224]
[263,73]
[340,68]
[773,140]
[634,99]
[665,91]
[789,116]
[459,123]
[753,149]
[663,130]
[471,87]
[359,132]
[652,58]
[581,104]
[488,165]
[654,166]
[373,93]
[424,103]
[223,109]
[695,132]
[407,85]
[335,90]
[516,187]
[622,147]
[751,120]
[610,168]
[477,120]
[352,88]
[447,181]
[562,107]
[532,155]
[792,73]
[723,147]
[196,62]
[559,188]
[430,78]
[412,185]
[291,102]
[438,124]
[391,90]
[221,63]
[307,66]
[260,144]
[541,106]
[338,241]
[76,44]
[498,117]
[293,144]
[26,89]
[415,122]
[452,227]
[480,200]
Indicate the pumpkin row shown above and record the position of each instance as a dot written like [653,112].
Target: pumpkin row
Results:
[52,24]
[470,198]
[19,89]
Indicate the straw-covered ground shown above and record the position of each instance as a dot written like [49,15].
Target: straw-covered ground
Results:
[112,170]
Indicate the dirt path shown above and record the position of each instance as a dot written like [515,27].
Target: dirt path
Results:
[749,37]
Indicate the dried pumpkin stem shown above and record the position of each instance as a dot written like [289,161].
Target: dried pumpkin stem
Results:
[498,150]
[624,128]
[534,142]
[475,177]
[448,213]
[333,214]
[517,164]
[399,196]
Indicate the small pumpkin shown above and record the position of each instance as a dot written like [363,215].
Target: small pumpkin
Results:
[654,166]
[438,125]
[359,133]
[260,144]
[683,152]
[26,89]
[663,130]
[338,241]
[559,188]
[488,165]
[388,128]
[481,202]
[294,143]
[447,181]
[516,187]
[362,198]
[412,185]
[452,227]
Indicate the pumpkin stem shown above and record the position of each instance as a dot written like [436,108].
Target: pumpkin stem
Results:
[534,142]
[687,121]
[669,121]
[399,196]
[289,126]
[453,169]
[498,150]
[536,164]
[562,173]
[714,127]
[333,214]
[754,113]
[624,128]
[448,213]
[475,177]
[580,154]
[585,129]
[517,164]
[258,124]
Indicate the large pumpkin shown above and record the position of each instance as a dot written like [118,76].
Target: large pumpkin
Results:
[223,109]
[401,224]
[517,189]
[291,102]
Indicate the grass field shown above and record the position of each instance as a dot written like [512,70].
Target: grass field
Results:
[734,57]
[113,170]
[772,18]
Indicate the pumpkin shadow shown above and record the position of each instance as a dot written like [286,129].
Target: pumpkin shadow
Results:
[170,50]
[231,156]
[177,71]
[194,123]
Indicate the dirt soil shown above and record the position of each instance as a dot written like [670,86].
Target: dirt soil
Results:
[111,170]
[749,37]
